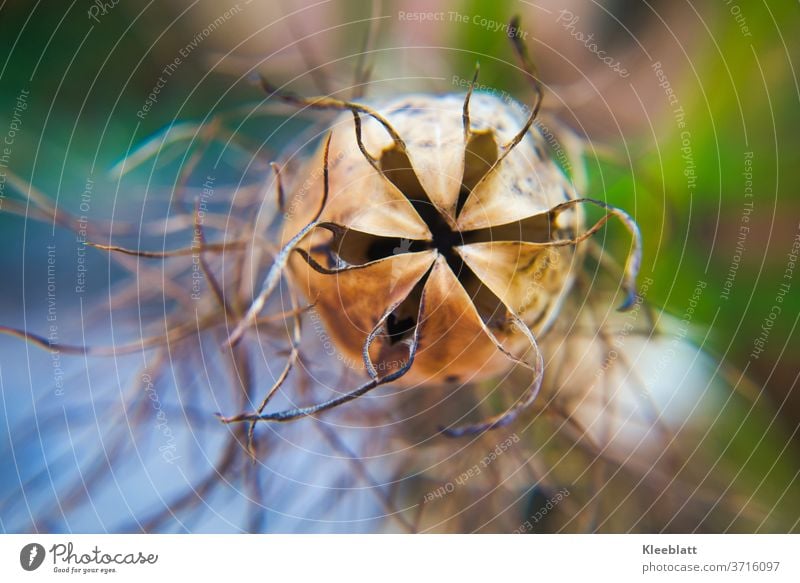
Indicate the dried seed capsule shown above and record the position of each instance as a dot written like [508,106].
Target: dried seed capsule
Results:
[441,253]
[446,229]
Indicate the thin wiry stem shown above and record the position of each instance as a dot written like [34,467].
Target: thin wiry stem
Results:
[275,272]
[287,368]
[207,135]
[306,50]
[247,261]
[216,289]
[182,252]
[197,492]
[280,195]
[465,110]
[44,209]
[282,316]
[175,334]
[298,413]
[363,70]
[332,437]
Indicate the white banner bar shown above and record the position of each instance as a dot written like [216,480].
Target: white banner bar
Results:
[401,558]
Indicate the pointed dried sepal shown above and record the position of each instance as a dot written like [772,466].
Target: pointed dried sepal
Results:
[360,197]
[529,278]
[354,299]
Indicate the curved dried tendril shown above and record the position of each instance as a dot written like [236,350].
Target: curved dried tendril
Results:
[530,68]
[327,102]
[634,259]
[360,141]
[316,266]
[527,63]
[500,420]
[523,403]
[631,270]
[380,326]
[341,266]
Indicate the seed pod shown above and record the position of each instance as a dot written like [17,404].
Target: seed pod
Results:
[447,229]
